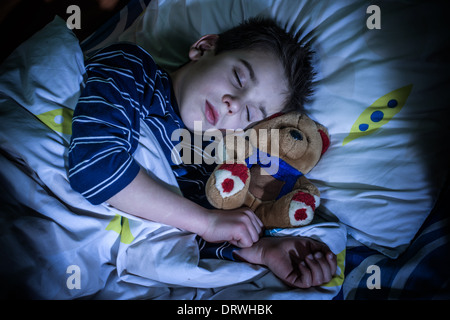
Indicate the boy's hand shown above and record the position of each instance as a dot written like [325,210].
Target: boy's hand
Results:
[298,261]
[241,227]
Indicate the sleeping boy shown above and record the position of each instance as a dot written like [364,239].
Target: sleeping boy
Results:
[231,80]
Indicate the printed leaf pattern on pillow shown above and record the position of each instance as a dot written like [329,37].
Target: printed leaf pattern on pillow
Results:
[379,113]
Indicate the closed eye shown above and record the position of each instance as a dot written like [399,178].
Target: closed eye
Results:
[238,79]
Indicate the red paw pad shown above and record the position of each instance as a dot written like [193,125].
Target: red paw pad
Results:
[306,198]
[236,169]
[300,214]
[230,179]
[302,207]
[227,185]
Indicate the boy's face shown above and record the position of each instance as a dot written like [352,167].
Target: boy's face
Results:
[230,90]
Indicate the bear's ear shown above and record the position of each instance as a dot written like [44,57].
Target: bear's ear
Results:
[325,138]
[275,115]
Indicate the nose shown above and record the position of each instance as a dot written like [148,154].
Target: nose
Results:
[232,103]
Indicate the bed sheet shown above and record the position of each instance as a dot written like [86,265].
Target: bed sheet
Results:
[421,272]
[56,245]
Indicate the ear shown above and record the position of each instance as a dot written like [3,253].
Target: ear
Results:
[275,115]
[206,43]
[325,137]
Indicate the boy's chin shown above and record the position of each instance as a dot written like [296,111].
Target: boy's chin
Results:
[196,126]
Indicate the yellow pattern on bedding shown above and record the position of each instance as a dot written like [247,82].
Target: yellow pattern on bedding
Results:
[121,225]
[59,120]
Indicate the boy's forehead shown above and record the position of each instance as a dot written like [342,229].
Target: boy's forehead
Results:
[258,62]
[253,54]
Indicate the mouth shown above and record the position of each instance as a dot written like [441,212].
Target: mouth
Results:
[212,116]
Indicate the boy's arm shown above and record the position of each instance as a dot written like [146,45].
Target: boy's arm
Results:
[106,123]
[147,199]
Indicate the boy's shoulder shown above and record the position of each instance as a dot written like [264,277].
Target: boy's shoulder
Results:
[127,60]
[125,51]
[127,47]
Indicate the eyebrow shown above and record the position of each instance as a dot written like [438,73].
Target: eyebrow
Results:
[250,69]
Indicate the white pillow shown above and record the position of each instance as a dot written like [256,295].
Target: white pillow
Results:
[381,185]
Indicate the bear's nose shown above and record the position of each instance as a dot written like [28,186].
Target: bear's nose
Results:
[296,135]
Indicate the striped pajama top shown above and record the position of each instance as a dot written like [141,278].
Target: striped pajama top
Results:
[124,86]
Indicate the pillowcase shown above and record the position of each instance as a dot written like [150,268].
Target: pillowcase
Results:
[380,92]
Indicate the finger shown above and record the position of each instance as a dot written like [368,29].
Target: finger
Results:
[330,257]
[251,230]
[323,263]
[251,214]
[254,218]
[328,262]
[332,261]
[255,231]
[253,234]
[254,225]
[258,220]
[243,243]
[245,237]
[234,243]
[316,270]
[305,279]
[315,246]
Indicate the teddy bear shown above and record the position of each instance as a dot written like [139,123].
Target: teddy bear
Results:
[264,168]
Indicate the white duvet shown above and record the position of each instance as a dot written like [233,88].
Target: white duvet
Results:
[56,245]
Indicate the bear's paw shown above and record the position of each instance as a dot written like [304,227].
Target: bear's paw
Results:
[302,207]
[230,179]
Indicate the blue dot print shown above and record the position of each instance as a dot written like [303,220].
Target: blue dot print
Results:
[379,113]
[392,103]
[377,116]
[363,127]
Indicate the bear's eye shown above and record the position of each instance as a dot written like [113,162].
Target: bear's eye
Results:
[296,135]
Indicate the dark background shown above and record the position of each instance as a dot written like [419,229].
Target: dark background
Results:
[20,19]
